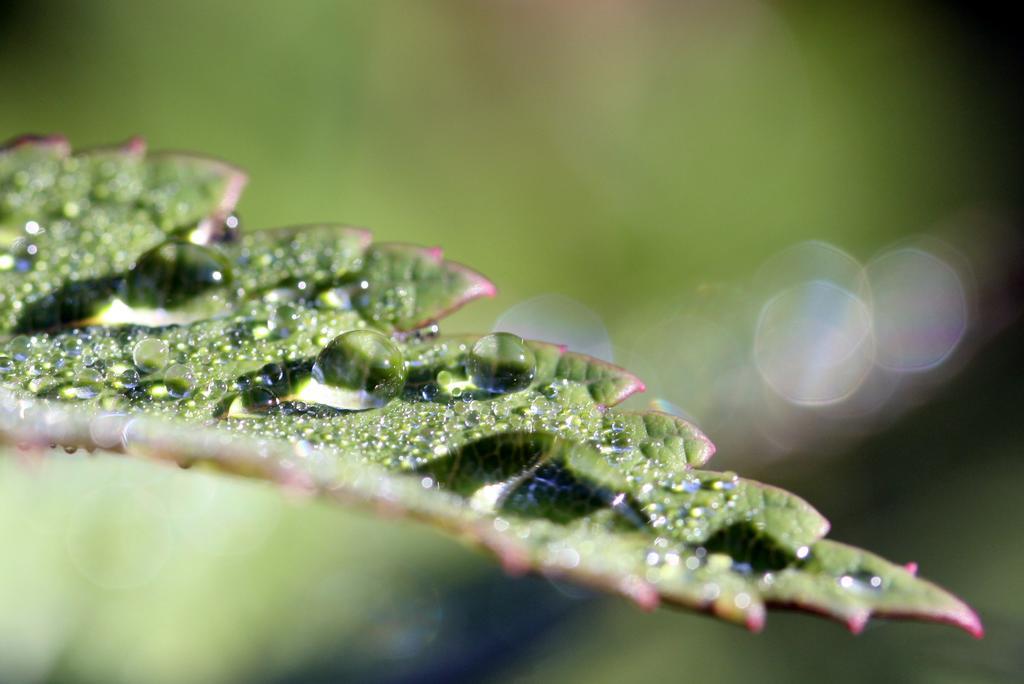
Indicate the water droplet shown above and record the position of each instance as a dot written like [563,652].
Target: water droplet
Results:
[71,346]
[364,361]
[501,362]
[150,354]
[259,399]
[88,383]
[726,482]
[336,298]
[282,321]
[127,379]
[20,347]
[860,581]
[179,381]
[174,272]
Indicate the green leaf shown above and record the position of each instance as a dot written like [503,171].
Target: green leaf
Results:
[407,287]
[72,225]
[852,585]
[142,309]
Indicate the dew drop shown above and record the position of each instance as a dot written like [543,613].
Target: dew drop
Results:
[860,581]
[362,361]
[150,354]
[88,383]
[128,379]
[20,347]
[72,346]
[336,298]
[282,321]
[174,272]
[179,381]
[259,399]
[501,362]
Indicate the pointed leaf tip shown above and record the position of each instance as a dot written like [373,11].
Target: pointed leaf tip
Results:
[640,592]
[853,585]
[233,178]
[974,626]
[631,383]
[858,621]
[409,286]
[477,285]
[58,143]
[608,384]
[959,615]
[237,180]
[756,618]
[135,146]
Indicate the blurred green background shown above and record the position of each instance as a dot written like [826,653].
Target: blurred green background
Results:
[633,175]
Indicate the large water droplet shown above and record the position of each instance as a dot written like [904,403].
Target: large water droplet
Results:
[501,362]
[88,384]
[282,320]
[363,361]
[150,354]
[20,347]
[179,381]
[259,399]
[127,379]
[72,346]
[173,273]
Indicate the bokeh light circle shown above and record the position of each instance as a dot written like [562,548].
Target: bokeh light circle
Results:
[813,343]
[920,309]
[809,261]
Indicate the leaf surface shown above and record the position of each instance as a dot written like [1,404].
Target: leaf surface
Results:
[142,308]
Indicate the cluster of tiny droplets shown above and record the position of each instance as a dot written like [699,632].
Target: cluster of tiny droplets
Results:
[110,364]
[89,216]
[191,371]
[384,305]
[321,253]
